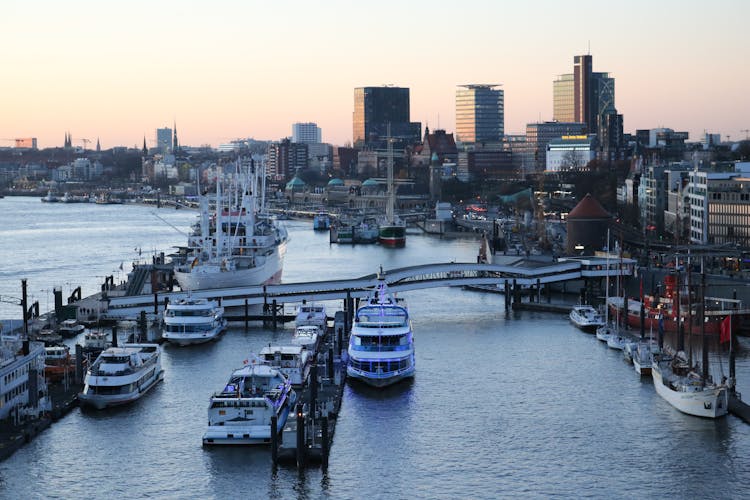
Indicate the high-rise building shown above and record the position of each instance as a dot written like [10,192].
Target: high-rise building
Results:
[480,113]
[583,96]
[164,139]
[306,132]
[582,89]
[377,108]
[563,99]
[538,135]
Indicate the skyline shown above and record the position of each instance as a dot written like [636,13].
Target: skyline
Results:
[222,71]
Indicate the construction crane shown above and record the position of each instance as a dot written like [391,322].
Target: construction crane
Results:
[85,142]
[747,133]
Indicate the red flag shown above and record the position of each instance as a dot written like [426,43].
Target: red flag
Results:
[725,330]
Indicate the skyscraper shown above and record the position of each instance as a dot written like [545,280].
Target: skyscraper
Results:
[375,108]
[164,139]
[306,132]
[480,113]
[583,96]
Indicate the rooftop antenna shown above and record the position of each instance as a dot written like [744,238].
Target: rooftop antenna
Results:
[589,50]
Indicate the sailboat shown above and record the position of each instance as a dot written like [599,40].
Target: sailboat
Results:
[605,331]
[679,382]
[237,245]
[392,230]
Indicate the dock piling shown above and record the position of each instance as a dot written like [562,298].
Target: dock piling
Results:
[300,437]
[325,443]
[275,440]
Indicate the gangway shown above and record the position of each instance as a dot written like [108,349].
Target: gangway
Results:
[522,273]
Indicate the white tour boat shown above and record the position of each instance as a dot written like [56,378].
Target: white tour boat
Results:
[307,336]
[381,346]
[309,314]
[293,360]
[193,321]
[586,317]
[236,245]
[241,413]
[321,221]
[121,375]
[677,383]
[70,328]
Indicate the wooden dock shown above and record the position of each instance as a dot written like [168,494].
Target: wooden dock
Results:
[307,437]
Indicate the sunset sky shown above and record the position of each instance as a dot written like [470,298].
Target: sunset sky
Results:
[117,70]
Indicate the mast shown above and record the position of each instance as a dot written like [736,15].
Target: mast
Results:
[704,347]
[606,295]
[690,313]
[391,192]
[219,222]
[205,244]
[678,314]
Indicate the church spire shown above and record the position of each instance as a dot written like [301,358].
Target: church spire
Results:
[175,144]
[145,149]
[98,146]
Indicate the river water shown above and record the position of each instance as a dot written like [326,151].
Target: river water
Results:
[503,404]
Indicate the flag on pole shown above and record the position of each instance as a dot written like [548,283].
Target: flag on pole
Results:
[725,329]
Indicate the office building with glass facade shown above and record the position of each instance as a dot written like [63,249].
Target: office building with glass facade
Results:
[480,113]
[375,108]
[583,96]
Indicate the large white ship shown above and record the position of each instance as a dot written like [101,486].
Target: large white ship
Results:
[236,244]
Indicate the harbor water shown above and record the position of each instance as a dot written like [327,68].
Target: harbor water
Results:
[504,404]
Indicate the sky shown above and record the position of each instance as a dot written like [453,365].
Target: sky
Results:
[117,70]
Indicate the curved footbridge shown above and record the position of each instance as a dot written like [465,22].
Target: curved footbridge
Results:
[519,273]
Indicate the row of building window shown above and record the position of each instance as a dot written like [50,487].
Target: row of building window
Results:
[16,391]
[18,372]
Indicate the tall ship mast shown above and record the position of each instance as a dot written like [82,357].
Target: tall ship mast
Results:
[392,230]
[237,244]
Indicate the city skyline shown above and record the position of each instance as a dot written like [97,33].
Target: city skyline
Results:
[221,74]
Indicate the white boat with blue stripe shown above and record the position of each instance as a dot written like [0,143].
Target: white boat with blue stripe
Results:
[381,346]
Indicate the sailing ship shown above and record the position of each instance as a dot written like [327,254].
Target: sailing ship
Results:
[680,382]
[392,230]
[237,245]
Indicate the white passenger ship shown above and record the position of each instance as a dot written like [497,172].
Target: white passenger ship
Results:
[237,244]
[294,361]
[241,413]
[121,375]
[381,346]
[193,321]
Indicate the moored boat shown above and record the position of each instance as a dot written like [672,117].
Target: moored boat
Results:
[70,328]
[193,321]
[59,364]
[321,221]
[235,245]
[241,413]
[686,390]
[121,375]
[307,336]
[381,345]
[309,313]
[294,361]
[586,318]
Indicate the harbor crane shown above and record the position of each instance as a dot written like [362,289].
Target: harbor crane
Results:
[747,133]
[85,142]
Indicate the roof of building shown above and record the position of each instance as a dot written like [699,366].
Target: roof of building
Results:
[588,208]
[335,182]
[296,182]
[371,182]
[441,142]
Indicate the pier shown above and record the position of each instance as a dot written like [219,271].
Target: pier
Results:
[518,273]
[307,437]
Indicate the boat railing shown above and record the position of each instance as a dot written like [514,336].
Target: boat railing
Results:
[381,348]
